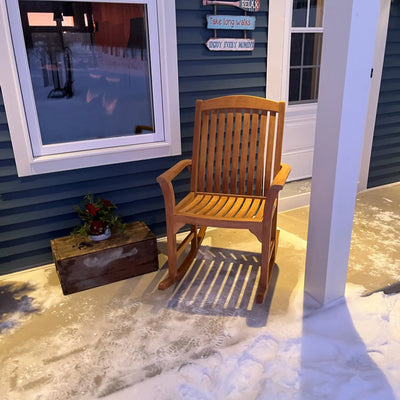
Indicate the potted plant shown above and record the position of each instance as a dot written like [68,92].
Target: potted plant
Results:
[98,217]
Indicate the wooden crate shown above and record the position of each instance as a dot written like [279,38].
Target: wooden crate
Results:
[82,264]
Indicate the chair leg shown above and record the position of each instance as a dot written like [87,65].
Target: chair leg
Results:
[263,283]
[268,255]
[172,261]
[175,274]
[274,242]
[269,246]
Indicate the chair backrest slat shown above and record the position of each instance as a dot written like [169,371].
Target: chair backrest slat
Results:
[220,149]
[196,145]
[270,151]
[212,133]
[261,155]
[279,138]
[244,152]
[237,144]
[227,151]
[255,119]
[203,151]
[235,153]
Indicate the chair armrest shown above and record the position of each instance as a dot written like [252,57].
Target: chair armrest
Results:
[280,178]
[174,171]
[276,186]
[165,181]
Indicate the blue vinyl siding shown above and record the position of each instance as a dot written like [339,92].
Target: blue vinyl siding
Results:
[385,155]
[36,209]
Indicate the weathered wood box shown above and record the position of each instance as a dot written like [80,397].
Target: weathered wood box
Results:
[82,264]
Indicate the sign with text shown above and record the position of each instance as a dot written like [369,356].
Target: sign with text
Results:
[247,5]
[226,44]
[241,22]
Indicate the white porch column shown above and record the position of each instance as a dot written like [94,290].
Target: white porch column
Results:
[347,55]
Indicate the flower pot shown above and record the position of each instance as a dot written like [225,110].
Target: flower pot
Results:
[100,236]
[99,231]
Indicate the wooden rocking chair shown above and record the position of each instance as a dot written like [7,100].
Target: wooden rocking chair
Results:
[236,176]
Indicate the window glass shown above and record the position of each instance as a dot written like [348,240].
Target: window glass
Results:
[294,84]
[304,67]
[296,49]
[299,17]
[316,13]
[311,53]
[90,69]
[309,84]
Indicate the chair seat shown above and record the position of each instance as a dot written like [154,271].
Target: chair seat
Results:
[222,207]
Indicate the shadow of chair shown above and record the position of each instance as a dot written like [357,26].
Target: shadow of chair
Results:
[236,176]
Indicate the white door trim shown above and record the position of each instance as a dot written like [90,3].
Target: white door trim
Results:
[300,119]
[279,18]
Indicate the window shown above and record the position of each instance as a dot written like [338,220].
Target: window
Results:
[305,50]
[294,52]
[97,82]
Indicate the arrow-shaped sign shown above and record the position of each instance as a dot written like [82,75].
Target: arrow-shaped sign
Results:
[248,5]
[230,44]
[242,22]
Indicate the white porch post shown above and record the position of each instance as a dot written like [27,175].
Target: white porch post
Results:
[347,55]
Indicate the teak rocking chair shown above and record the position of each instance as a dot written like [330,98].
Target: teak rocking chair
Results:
[236,176]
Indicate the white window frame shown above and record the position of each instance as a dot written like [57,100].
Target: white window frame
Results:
[302,29]
[300,119]
[39,149]
[278,69]
[116,152]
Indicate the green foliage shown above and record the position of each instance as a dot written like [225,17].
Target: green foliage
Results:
[96,216]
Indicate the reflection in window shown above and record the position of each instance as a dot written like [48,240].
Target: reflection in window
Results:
[305,52]
[90,69]
[307,13]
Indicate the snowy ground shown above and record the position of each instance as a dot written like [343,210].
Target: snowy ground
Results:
[205,338]
[165,346]
[348,351]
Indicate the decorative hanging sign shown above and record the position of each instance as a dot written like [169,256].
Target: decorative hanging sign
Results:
[247,5]
[227,44]
[229,22]
[241,22]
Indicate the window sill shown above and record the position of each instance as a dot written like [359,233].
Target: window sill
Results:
[92,158]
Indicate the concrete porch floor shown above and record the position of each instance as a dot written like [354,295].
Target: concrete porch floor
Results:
[32,304]
[375,250]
